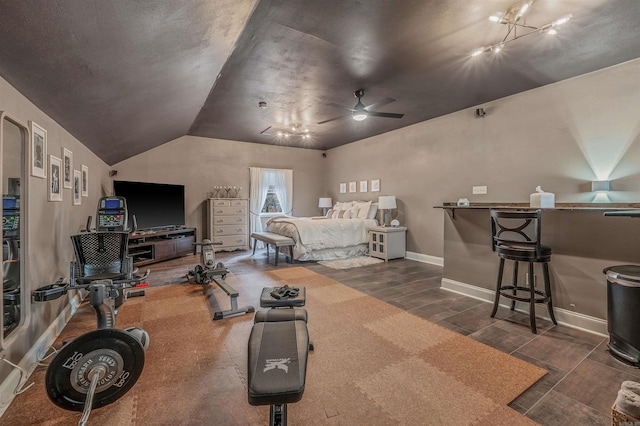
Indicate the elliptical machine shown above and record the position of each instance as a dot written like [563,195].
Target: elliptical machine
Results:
[100,366]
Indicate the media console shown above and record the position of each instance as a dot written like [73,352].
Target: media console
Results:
[156,246]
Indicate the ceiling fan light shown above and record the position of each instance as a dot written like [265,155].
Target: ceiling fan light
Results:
[360,115]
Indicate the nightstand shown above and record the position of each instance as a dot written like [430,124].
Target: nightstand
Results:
[387,242]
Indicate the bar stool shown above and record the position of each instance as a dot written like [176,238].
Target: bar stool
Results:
[516,237]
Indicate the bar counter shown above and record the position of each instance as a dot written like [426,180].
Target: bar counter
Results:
[584,242]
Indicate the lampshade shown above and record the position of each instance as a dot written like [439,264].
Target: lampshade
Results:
[325,202]
[387,202]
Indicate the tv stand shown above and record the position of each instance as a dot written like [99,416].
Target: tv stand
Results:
[156,246]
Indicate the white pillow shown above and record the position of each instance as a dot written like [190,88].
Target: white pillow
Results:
[338,206]
[363,209]
[373,211]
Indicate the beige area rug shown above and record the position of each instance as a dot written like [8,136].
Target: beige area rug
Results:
[373,364]
[352,262]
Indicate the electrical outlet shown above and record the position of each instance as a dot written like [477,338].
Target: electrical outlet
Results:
[479,190]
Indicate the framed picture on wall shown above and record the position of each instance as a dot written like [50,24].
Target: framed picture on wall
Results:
[67,168]
[38,151]
[77,187]
[375,185]
[55,178]
[352,187]
[343,188]
[363,186]
[85,181]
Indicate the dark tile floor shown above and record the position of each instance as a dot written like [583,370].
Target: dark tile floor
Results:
[582,380]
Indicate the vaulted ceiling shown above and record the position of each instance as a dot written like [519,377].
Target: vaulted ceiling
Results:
[126,76]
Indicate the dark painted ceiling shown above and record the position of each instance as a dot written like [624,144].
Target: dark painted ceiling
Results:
[126,76]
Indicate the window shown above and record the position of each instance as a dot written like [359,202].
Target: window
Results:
[271,203]
[271,194]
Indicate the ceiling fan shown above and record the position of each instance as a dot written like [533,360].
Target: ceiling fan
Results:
[361,112]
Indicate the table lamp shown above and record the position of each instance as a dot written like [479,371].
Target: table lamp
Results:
[386,203]
[325,203]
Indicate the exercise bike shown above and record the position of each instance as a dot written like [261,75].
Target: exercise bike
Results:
[209,271]
[10,262]
[98,367]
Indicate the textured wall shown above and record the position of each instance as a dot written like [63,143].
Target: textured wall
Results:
[560,136]
[202,163]
[50,223]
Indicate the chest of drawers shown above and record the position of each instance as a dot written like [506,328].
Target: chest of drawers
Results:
[229,223]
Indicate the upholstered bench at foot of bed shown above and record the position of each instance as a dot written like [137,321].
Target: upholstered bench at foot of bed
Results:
[275,240]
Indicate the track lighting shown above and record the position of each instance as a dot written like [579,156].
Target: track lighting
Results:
[510,19]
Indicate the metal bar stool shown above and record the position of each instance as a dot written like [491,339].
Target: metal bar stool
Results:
[516,237]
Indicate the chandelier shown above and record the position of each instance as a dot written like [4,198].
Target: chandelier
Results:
[294,131]
[515,22]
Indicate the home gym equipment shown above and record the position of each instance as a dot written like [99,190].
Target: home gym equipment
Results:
[98,367]
[10,261]
[277,352]
[209,271]
[112,215]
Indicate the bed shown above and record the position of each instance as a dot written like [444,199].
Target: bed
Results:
[342,233]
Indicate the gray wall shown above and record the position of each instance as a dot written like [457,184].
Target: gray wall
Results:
[202,163]
[50,223]
[583,244]
[561,136]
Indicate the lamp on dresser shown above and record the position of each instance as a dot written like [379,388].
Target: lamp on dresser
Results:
[386,203]
[325,203]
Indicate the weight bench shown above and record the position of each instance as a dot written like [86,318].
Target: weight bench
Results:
[278,349]
[275,240]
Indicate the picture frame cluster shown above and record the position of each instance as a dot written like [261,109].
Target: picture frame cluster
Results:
[361,186]
[58,172]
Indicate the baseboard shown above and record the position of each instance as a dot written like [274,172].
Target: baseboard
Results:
[563,316]
[30,360]
[424,258]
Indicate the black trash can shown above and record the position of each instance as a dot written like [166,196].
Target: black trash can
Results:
[623,312]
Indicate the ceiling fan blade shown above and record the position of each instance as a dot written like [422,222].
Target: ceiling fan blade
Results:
[385,114]
[334,118]
[385,101]
[341,107]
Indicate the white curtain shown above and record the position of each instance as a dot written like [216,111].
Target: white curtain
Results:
[284,189]
[258,194]
[283,184]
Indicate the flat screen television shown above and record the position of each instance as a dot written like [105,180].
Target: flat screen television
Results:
[155,205]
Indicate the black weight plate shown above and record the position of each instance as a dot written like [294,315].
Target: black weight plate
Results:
[62,382]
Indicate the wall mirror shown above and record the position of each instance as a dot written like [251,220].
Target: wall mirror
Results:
[14,142]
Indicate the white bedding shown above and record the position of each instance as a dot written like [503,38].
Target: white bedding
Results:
[323,239]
